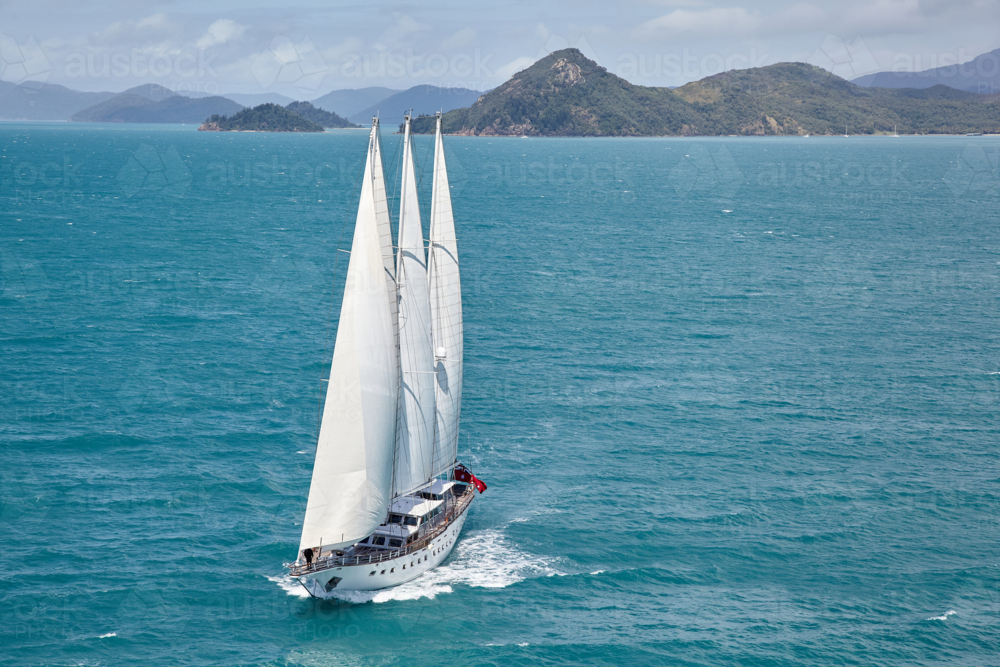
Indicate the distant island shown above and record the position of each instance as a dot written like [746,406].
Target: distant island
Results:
[319,116]
[567,94]
[262,118]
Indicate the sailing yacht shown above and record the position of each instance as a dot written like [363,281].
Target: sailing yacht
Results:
[388,496]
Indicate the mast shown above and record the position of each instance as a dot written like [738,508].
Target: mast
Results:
[352,475]
[446,316]
[415,429]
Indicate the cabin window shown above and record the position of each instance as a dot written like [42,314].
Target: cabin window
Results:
[412,521]
[395,543]
[378,541]
[382,572]
[395,518]
[372,573]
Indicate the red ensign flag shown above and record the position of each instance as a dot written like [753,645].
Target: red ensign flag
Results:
[463,474]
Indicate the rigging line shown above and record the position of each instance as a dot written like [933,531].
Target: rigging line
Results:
[333,297]
[390,195]
[423,167]
[389,198]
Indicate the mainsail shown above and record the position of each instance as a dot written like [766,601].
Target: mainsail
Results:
[446,316]
[415,430]
[352,476]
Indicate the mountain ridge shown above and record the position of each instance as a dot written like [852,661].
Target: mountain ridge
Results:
[421,99]
[979,75]
[150,103]
[44,101]
[567,94]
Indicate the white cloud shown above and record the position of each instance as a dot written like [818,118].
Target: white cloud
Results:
[460,39]
[886,16]
[396,36]
[153,21]
[797,19]
[676,3]
[513,67]
[708,22]
[220,32]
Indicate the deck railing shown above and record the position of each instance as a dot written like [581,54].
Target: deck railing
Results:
[453,510]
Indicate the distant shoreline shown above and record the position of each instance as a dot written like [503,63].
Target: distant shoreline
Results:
[506,136]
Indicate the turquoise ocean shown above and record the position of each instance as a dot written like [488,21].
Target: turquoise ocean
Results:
[737,400]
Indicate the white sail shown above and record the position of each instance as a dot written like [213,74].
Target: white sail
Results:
[388,258]
[352,475]
[415,430]
[446,316]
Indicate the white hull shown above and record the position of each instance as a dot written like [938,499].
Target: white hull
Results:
[387,573]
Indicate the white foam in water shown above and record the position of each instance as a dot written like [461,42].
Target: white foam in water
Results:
[943,617]
[483,560]
[110,634]
[290,586]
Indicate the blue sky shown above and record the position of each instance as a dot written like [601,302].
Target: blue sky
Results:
[310,48]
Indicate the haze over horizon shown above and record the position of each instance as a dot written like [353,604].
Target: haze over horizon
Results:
[307,50]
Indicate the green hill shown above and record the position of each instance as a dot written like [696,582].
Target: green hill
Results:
[566,94]
[319,116]
[263,118]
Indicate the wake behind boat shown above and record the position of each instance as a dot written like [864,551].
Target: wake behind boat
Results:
[388,496]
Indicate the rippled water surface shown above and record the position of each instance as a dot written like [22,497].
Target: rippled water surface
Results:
[736,400]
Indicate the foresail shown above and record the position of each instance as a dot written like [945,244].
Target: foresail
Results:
[388,259]
[415,430]
[352,475]
[446,316]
